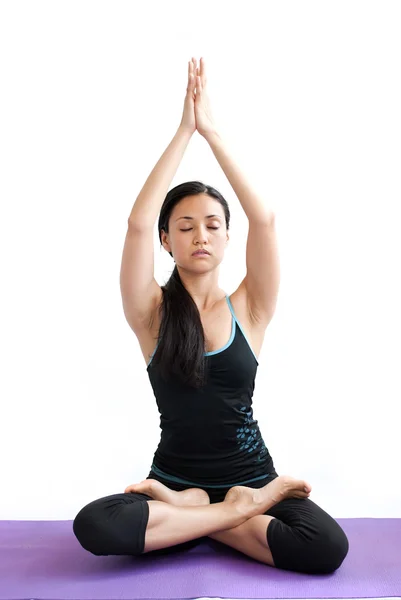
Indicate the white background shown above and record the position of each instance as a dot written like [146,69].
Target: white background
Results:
[307,96]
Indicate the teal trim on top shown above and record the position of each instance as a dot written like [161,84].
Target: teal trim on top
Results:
[230,341]
[240,326]
[197,484]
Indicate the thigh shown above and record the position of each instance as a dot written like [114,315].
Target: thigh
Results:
[307,517]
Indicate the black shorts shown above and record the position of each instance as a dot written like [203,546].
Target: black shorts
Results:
[302,537]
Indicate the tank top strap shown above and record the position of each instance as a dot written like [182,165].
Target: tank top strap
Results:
[239,324]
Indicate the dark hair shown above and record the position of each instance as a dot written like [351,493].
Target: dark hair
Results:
[181,337]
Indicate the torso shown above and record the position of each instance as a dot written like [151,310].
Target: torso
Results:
[216,325]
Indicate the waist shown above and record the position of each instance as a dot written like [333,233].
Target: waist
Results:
[172,478]
[214,472]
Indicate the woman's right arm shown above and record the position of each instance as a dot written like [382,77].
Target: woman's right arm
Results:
[149,202]
[140,291]
[150,199]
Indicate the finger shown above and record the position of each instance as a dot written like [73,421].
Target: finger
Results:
[193,85]
[203,71]
[194,66]
[198,83]
[190,86]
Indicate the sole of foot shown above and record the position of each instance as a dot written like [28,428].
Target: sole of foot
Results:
[252,501]
[158,491]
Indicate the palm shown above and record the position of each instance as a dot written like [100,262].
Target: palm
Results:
[203,112]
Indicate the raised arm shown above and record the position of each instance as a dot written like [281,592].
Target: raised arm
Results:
[261,283]
[150,199]
[139,288]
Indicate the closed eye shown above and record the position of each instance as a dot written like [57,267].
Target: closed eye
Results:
[191,228]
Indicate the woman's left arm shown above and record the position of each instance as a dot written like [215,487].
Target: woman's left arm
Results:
[262,278]
[254,208]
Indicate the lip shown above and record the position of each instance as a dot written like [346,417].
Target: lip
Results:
[200,253]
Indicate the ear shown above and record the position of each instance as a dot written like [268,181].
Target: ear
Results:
[164,240]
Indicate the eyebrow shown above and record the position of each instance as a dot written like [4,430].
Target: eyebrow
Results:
[207,217]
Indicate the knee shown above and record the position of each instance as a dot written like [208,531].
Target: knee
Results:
[317,550]
[333,549]
[323,554]
[93,529]
[86,529]
[112,525]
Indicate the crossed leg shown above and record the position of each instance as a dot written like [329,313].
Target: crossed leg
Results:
[250,538]
[303,536]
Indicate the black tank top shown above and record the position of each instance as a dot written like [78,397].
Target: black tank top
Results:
[209,437]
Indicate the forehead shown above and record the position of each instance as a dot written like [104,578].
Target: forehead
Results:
[199,206]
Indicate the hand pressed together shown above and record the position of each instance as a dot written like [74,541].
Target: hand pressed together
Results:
[197,114]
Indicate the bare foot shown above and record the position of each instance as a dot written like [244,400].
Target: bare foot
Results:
[252,501]
[158,491]
[245,500]
[285,486]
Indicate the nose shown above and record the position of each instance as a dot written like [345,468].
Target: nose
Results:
[200,238]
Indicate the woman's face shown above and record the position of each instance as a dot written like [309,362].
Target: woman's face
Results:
[199,231]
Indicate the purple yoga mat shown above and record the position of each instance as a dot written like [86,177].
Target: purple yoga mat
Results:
[43,560]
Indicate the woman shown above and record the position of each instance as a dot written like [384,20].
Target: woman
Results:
[212,474]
